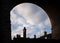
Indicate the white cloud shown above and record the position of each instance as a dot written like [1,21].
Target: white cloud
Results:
[30,14]
[41,33]
[47,22]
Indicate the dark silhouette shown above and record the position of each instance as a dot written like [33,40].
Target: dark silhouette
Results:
[52,8]
[35,36]
[19,39]
[24,32]
[46,36]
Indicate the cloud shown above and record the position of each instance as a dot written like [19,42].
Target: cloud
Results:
[29,11]
[31,16]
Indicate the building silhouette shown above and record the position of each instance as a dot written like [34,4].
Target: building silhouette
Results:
[18,36]
[24,32]
[45,34]
[35,36]
[19,39]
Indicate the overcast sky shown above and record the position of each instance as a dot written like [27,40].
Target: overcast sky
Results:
[31,16]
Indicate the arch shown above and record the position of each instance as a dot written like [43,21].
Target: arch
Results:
[51,7]
[34,6]
[51,10]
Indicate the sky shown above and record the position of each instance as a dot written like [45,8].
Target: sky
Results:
[31,16]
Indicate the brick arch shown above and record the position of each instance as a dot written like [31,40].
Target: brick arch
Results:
[51,7]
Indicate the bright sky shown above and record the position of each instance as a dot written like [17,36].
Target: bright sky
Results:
[31,16]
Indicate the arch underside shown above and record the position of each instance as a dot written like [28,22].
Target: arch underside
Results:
[52,9]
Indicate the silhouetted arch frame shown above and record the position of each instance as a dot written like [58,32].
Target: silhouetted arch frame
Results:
[43,6]
[52,8]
